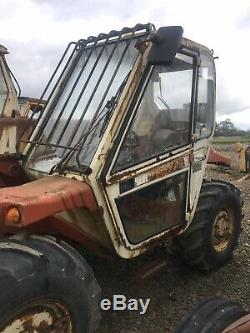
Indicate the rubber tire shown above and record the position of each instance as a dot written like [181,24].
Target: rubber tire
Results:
[195,244]
[39,268]
[211,315]
[2,183]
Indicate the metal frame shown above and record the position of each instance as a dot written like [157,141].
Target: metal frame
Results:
[132,112]
[92,44]
[202,52]
[3,68]
[107,171]
[167,229]
[46,89]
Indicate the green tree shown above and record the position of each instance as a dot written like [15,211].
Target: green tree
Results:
[227,128]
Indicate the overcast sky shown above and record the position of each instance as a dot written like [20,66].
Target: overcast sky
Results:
[36,33]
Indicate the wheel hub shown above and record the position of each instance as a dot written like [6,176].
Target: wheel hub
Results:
[222,230]
[41,317]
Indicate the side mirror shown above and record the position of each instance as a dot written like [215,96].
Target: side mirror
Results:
[166,42]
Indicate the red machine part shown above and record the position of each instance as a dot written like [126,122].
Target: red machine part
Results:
[43,198]
[214,157]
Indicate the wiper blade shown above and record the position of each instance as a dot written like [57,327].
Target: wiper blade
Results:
[83,169]
[110,106]
[102,116]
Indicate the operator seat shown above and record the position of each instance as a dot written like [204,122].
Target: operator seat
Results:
[164,132]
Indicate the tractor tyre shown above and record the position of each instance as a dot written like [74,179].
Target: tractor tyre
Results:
[208,243]
[2,183]
[211,315]
[46,286]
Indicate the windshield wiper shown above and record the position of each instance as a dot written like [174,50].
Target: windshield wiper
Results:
[84,169]
[102,116]
[110,106]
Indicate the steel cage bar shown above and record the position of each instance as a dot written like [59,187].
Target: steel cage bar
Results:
[91,44]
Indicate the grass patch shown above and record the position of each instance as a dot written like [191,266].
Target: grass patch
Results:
[230,139]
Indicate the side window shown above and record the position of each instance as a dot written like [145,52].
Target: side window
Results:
[3,90]
[153,209]
[162,119]
[205,98]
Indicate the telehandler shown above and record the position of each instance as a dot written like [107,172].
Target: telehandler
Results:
[115,163]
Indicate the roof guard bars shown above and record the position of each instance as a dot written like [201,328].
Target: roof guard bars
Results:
[40,100]
[89,43]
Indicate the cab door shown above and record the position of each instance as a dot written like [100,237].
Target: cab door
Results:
[204,122]
[147,178]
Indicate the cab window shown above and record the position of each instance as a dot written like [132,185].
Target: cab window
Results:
[162,119]
[205,98]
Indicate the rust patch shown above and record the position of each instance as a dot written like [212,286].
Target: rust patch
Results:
[45,197]
[155,173]
[166,169]
[41,317]
[154,242]
[54,225]
[115,178]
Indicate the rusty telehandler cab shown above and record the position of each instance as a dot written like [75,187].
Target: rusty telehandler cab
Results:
[115,163]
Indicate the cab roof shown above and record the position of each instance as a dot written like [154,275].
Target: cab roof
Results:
[195,46]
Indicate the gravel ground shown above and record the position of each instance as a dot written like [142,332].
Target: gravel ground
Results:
[176,288]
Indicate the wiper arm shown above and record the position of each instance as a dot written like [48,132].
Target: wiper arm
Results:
[110,106]
[80,143]
[85,169]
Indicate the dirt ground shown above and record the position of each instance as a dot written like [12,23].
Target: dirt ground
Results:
[176,288]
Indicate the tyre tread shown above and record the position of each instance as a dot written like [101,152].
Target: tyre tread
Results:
[190,244]
[46,251]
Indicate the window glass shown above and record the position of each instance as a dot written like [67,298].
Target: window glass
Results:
[3,90]
[154,209]
[205,98]
[95,80]
[162,119]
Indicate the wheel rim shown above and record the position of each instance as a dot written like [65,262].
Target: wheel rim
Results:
[41,317]
[223,230]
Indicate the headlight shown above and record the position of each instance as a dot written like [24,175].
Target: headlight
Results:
[12,216]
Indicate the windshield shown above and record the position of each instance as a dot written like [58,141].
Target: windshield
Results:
[74,121]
